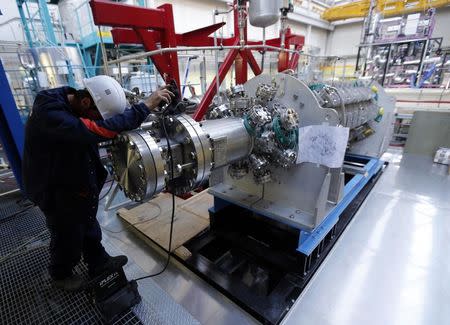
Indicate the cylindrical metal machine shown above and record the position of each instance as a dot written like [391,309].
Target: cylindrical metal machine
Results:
[252,145]
[141,161]
[229,139]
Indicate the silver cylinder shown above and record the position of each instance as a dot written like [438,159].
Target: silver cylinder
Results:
[263,13]
[230,140]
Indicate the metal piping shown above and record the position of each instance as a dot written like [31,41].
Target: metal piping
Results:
[216,12]
[103,49]
[216,56]
[199,48]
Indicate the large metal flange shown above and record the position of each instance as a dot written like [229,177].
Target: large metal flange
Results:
[201,146]
[154,168]
[138,165]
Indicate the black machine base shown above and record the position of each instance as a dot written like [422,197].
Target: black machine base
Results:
[253,260]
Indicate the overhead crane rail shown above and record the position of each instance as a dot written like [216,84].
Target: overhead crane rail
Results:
[360,9]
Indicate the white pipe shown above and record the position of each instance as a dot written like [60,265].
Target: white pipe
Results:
[263,52]
[216,56]
[216,12]
[103,49]
[203,48]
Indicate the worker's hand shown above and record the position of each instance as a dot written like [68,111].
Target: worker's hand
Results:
[162,94]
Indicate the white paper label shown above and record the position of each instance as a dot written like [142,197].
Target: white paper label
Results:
[322,144]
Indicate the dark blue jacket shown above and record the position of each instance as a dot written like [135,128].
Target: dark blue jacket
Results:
[62,172]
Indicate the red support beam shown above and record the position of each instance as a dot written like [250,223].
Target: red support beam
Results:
[169,39]
[241,69]
[252,61]
[128,36]
[197,37]
[120,15]
[293,61]
[125,36]
[147,38]
[211,91]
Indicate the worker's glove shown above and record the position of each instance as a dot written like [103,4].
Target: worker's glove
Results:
[162,95]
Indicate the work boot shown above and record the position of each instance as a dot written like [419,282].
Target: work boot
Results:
[113,262]
[71,283]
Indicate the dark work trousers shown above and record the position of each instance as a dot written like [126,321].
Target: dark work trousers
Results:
[74,232]
[69,242]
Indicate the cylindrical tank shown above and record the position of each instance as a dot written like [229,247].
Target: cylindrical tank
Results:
[264,13]
[54,62]
[231,141]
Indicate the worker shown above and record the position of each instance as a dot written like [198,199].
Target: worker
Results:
[62,171]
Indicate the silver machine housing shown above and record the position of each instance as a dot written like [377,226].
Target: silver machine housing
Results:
[247,147]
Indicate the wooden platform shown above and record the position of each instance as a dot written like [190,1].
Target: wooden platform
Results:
[152,219]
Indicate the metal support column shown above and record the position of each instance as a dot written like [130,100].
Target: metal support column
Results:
[386,65]
[46,22]
[11,127]
[24,23]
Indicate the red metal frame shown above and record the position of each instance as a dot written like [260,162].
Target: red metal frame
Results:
[154,28]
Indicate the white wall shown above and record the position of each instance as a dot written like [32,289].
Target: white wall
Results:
[344,40]
[193,14]
[319,38]
[10,24]
[442,27]
[297,28]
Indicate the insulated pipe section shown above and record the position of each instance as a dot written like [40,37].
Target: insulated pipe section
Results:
[229,138]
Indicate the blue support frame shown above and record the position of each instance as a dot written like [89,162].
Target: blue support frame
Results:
[12,131]
[309,240]
[24,24]
[45,19]
[47,23]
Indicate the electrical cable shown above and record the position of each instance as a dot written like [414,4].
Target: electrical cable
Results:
[109,190]
[169,151]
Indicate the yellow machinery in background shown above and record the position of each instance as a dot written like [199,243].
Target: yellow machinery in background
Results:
[360,9]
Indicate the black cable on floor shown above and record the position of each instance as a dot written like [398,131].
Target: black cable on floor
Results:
[109,190]
[169,151]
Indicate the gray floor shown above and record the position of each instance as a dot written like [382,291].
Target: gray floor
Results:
[198,298]
[391,265]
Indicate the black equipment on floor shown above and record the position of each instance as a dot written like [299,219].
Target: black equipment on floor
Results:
[113,293]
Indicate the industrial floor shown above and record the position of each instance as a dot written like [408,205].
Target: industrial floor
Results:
[390,266]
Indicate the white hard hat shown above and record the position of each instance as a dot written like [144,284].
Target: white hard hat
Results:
[108,95]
